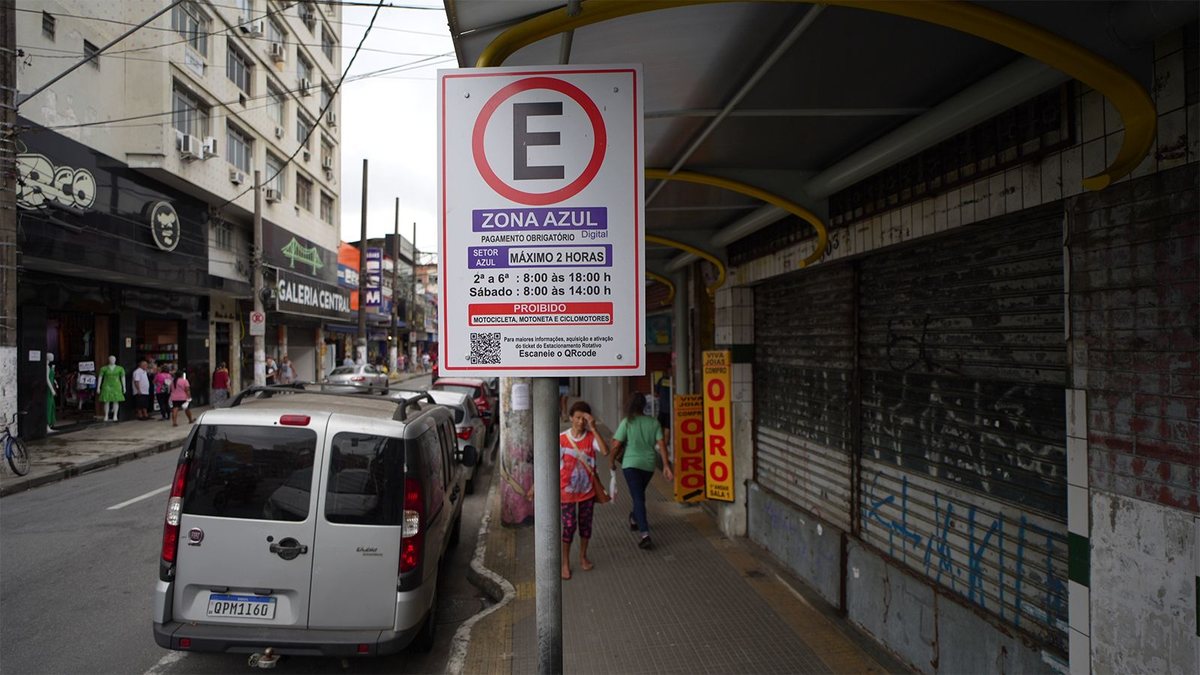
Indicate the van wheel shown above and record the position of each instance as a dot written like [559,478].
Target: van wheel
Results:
[424,641]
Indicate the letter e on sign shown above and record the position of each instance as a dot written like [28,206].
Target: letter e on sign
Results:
[718,436]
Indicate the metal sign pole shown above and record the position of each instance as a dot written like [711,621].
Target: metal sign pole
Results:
[260,341]
[547,542]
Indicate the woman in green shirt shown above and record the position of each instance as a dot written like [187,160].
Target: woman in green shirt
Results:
[635,442]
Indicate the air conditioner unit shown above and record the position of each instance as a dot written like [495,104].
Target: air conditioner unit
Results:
[236,177]
[210,147]
[273,195]
[332,117]
[253,28]
[327,164]
[191,148]
[307,155]
[278,54]
[279,132]
[305,86]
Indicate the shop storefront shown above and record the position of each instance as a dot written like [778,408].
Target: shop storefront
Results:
[113,263]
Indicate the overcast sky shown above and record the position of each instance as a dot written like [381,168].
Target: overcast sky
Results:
[391,119]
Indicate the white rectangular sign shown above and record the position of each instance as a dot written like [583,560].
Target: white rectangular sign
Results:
[542,224]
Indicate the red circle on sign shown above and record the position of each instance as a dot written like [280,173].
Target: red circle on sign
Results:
[539,198]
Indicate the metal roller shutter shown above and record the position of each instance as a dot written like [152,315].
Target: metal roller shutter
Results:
[963,367]
[803,369]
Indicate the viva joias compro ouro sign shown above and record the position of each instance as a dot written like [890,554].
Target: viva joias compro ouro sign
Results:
[301,295]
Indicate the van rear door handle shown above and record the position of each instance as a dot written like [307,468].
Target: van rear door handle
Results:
[288,548]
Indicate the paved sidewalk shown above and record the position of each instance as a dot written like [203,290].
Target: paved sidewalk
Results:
[102,445]
[698,602]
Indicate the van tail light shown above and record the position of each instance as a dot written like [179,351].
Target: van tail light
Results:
[465,433]
[412,535]
[358,378]
[170,539]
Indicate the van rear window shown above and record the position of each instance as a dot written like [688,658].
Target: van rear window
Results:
[366,480]
[250,472]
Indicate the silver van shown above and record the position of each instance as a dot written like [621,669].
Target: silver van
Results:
[310,523]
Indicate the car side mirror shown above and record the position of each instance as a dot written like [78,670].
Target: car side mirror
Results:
[467,455]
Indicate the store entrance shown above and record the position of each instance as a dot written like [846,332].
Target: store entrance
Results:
[158,341]
[71,337]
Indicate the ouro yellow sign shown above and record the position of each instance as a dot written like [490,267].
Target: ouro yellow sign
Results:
[718,436]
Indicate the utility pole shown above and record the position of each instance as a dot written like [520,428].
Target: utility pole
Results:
[412,305]
[362,274]
[256,268]
[395,332]
[8,211]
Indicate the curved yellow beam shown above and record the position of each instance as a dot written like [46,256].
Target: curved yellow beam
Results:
[758,193]
[1129,98]
[699,253]
[665,282]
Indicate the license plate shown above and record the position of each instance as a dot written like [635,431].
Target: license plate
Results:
[241,606]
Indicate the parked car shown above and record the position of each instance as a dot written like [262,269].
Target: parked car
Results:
[469,426]
[357,378]
[329,541]
[478,390]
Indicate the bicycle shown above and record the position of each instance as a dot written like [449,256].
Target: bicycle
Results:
[14,449]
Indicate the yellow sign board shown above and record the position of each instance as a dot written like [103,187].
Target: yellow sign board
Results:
[718,423]
[689,447]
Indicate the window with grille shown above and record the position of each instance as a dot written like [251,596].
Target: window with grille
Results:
[245,10]
[189,113]
[274,174]
[240,148]
[303,129]
[308,14]
[327,208]
[326,151]
[48,24]
[275,104]
[91,53]
[190,22]
[326,96]
[304,68]
[239,69]
[223,235]
[304,190]
[275,32]
[327,44]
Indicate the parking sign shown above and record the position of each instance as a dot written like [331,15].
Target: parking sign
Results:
[540,186]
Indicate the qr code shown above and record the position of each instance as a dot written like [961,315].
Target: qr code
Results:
[485,348]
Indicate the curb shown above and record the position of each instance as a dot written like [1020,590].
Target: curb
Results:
[22,484]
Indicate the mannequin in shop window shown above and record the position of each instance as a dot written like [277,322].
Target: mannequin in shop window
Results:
[51,391]
[112,389]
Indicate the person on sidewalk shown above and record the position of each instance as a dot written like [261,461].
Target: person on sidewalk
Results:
[181,398]
[162,389]
[577,448]
[287,374]
[634,445]
[141,391]
[272,372]
[220,385]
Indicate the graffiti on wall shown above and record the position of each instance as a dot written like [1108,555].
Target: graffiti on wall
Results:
[1012,567]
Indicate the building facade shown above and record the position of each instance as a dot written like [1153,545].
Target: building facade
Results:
[161,136]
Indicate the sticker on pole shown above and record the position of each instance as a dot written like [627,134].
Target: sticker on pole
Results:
[541,219]
[258,323]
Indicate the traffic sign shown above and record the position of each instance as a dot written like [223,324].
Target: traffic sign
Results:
[540,184]
[258,323]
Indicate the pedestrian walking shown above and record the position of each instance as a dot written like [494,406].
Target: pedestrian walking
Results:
[220,385]
[181,398]
[141,391]
[272,372]
[162,389]
[634,445]
[577,448]
[287,374]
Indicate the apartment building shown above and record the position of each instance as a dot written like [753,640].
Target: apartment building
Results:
[137,176]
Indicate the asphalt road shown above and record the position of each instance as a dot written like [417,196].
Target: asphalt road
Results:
[77,578]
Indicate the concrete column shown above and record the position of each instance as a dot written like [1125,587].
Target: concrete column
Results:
[547,542]
[681,330]
[516,451]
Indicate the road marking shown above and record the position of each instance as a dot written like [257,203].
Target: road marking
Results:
[462,636]
[170,659]
[139,498]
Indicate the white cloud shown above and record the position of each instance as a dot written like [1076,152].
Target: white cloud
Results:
[390,119]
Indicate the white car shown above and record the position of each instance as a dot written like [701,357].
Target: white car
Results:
[469,425]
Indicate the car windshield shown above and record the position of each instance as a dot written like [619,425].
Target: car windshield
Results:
[344,370]
[459,415]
